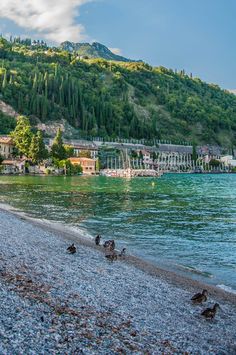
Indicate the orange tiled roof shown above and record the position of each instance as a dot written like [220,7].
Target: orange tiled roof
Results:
[77,160]
[12,162]
[6,140]
[8,162]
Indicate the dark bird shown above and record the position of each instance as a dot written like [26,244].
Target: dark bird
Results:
[123,252]
[97,239]
[71,249]
[109,244]
[200,297]
[210,313]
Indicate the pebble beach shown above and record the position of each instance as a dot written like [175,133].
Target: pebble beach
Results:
[52,302]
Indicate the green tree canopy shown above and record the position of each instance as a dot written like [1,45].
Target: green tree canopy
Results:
[58,150]
[37,150]
[22,135]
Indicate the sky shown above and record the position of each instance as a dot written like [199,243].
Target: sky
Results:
[195,35]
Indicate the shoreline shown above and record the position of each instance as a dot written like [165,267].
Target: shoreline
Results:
[64,232]
[53,302]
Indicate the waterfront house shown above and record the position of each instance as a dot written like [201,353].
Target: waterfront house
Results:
[91,151]
[88,164]
[13,166]
[81,147]
[6,147]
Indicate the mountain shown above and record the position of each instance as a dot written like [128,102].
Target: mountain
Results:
[94,50]
[104,98]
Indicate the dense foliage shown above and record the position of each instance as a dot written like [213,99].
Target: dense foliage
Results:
[7,123]
[31,146]
[114,99]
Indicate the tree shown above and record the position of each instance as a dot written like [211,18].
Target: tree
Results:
[58,150]
[69,168]
[37,151]
[214,163]
[84,154]
[8,123]
[22,135]
[194,154]
[97,165]
[69,150]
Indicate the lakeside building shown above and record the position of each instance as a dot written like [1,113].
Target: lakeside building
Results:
[6,147]
[88,164]
[161,157]
[228,161]
[80,147]
[13,166]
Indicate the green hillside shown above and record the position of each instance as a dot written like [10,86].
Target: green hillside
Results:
[115,99]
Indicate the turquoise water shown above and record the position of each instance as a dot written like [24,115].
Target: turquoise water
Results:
[183,222]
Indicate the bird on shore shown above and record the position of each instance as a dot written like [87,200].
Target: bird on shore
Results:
[200,297]
[122,253]
[97,239]
[210,313]
[72,249]
[109,244]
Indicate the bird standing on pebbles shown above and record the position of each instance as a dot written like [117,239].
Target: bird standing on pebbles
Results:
[200,297]
[210,313]
[71,249]
[123,252]
[97,239]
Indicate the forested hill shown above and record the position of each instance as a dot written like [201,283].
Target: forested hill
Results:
[108,98]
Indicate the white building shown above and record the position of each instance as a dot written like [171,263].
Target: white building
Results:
[228,160]
[6,147]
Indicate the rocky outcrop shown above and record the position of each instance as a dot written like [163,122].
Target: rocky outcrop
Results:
[7,109]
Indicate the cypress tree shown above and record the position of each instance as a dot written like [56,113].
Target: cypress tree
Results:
[58,150]
[37,150]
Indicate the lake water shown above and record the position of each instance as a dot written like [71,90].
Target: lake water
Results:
[183,222]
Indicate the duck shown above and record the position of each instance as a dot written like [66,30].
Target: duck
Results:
[200,297]
[123,252]
[109,244]
[72,249]
[210,313]
[97,239]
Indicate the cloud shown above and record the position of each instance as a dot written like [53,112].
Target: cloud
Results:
[116,51]
[54,20]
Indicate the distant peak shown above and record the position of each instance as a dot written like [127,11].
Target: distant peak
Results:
[94,50]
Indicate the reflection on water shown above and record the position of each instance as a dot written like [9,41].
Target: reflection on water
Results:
[184,222]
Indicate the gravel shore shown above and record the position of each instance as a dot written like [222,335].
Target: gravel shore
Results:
[52,302]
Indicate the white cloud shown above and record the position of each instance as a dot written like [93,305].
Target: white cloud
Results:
[116,51]
[54,20]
